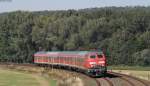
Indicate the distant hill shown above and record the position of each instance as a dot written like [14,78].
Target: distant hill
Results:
[122,32]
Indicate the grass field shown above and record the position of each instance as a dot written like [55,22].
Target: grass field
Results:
[138,68]
[14,78]
[140,72]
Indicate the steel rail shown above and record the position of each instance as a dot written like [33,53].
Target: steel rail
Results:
[108,81]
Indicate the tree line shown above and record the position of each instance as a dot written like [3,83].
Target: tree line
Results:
[123,33]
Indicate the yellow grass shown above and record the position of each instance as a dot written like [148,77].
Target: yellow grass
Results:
[14,78]
[137,73]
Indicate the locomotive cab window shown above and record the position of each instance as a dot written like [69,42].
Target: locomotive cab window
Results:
[100,56]
[92,56]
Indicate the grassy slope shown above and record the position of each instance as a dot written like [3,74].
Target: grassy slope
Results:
[13,78]
[138,68]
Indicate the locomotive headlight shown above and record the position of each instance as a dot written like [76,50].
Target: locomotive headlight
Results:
[101,62]
[91,63]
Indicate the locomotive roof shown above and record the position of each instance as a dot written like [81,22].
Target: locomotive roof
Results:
[81,53]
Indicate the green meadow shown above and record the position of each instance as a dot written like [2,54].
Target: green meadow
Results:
[16,78]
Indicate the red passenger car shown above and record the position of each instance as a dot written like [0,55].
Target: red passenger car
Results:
[91,62]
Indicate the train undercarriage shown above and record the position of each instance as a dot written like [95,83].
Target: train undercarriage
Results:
[93,72]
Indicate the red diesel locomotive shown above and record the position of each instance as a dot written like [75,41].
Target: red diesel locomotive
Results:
[91,62]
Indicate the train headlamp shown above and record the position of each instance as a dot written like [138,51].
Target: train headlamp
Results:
[101,62]
[92,63]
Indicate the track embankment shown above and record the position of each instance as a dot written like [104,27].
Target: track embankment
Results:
[71,78]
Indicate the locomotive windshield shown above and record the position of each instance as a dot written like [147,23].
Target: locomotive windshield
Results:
[100,56]
[93,57]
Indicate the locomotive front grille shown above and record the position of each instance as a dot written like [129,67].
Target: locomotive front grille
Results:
[101,69]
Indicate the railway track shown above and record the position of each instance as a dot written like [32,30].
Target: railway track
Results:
[111,79]
[124,80]
[106,82]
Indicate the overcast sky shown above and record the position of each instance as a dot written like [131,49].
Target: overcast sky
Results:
[38,5]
